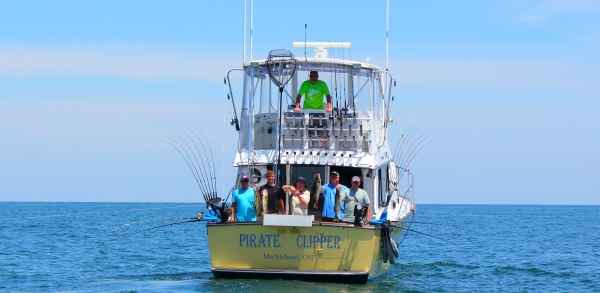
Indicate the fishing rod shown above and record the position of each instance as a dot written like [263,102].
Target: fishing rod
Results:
[192,220]
[399,147]
[227,81]
[406,150]
[416,146]
[206,155]
[415,150]
[189,164]
[193,149]
[418,150]
[203,172]
[204,175]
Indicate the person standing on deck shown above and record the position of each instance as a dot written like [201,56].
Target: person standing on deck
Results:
[242,208]
[330,197]
[272,196]
[300,197]
[357,200]
[313,90]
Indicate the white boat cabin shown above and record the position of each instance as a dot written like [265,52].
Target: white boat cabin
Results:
[352,139]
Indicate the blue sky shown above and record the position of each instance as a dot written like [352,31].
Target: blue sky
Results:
[505,91]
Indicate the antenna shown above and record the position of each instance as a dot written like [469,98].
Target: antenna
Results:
[248,30]
[387,35]
[244,4]
[251,29]
[305,28]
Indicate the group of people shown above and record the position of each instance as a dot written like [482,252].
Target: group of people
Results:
[330,202]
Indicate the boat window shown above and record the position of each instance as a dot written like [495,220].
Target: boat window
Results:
[307,171]
[383,187]
[282,173]
[346,174]
[387,178]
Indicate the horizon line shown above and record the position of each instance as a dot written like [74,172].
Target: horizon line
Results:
[418,203]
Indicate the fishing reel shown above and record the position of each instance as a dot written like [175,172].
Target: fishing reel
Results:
[359,215]
[219,207]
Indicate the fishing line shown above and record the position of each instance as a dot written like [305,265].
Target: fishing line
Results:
[170,224]
[88,213]
[424,234]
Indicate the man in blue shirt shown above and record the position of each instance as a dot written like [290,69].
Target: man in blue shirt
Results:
[330,194]
[243,209]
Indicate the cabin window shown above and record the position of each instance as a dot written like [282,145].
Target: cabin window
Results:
[383,187]
[380,192]
[387,178]
[346,174]
[308,172]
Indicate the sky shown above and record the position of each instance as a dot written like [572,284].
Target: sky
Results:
[505,91]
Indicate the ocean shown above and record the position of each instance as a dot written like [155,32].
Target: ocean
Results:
[106,247]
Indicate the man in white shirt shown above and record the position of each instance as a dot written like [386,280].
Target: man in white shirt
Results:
[357,199]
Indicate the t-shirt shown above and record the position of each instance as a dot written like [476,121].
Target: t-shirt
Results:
[329,192]
[313,93]
[358,197]
[344,191]
[275,193]
[244,205]
[298,207]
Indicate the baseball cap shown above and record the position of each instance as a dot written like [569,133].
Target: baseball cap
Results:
[355,179]
[334,173]
[245,178]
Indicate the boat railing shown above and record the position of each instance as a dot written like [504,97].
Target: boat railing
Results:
[315,130]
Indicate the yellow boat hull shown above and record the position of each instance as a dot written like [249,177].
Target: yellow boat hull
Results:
[328,252]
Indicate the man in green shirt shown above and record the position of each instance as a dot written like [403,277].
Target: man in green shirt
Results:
[313,91]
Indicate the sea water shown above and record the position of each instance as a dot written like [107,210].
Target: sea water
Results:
[106,247]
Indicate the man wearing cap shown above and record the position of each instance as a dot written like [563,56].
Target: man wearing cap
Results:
[300,197]
[243,202]
[357,199]
[329,197]
[273,196]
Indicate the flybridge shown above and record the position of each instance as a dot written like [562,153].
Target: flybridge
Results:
[350,135]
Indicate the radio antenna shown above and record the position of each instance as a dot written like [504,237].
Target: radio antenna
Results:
[245,22]
[387,35]
[251,29]
[305,29]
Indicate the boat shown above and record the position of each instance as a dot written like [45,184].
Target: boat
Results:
[351,137]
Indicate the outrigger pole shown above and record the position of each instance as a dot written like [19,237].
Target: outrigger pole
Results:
[387,35]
